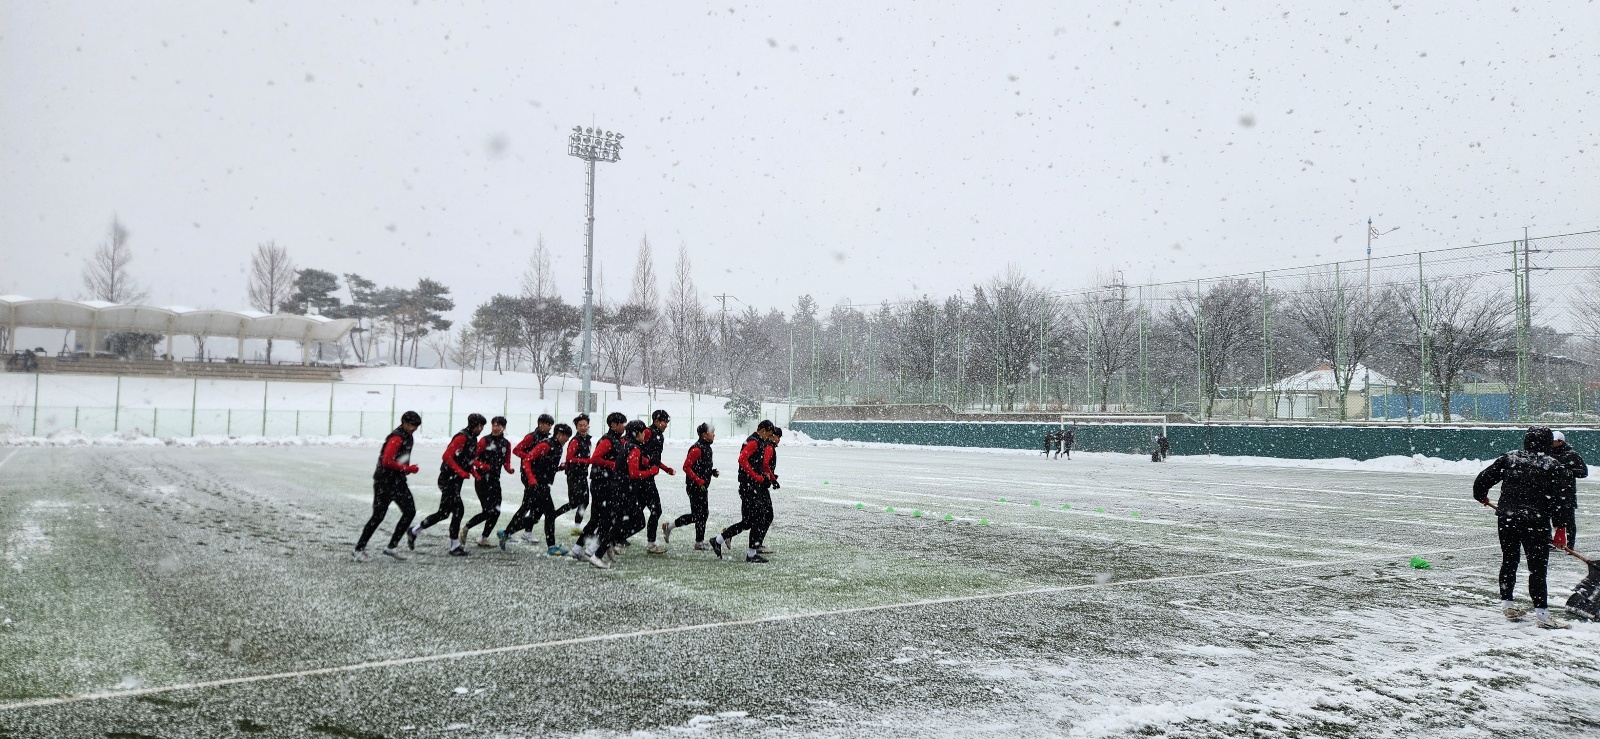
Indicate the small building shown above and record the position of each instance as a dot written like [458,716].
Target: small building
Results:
[1314,394]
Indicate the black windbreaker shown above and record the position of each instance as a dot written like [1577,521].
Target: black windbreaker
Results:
[1530,483]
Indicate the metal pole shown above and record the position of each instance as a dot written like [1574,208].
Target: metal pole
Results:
[1199,353]
[1422,333]
[194,402]
[36,404]
[264,385]
[588,287]
[330,408]
[791,365]
[116,410]
[1266,352]
[1338,338]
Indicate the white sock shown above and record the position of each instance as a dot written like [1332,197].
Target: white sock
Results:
[1507,604]
[1543,614]
[454,544]
[416,530]
[718,540]
[749,552]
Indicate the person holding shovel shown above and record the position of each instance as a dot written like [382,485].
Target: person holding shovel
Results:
[1532,495]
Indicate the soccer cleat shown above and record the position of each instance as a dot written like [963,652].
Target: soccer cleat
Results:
[577,553]
[755,559]
[599,563]
[485,543]
[1513,614]
[358,555]
[656,549]
[555,550]
[503,537]
[666,532]
[527,538]
[1551,622]
[716,546]
[411,539]
[576,531]
[457,552]
[763,550]
[701,546]
[623,544]
[393,554]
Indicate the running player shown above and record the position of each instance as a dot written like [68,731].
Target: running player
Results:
[577,472]
[606,463]
[389,486]
[539,467]
[697,474]
[540,432]
[454,470]
[752,477]
[494,453]
[647,497]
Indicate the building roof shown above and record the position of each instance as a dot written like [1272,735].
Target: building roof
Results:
[1321,378]
[96,315]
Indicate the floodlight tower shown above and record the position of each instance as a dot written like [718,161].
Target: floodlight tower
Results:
[591,145]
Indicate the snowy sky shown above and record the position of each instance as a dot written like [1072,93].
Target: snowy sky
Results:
[849,151]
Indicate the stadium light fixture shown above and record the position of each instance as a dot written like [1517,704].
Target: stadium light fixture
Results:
[591,145]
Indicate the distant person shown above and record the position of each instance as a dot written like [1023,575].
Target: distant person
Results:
[1163,447]
[455,468]
[539,468]
[494,454]
[698,470]
[1049,443]
[1067,439]
[389,486]
[1576,468]
[1532,494]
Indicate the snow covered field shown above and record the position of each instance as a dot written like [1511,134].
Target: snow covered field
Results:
[1197,598]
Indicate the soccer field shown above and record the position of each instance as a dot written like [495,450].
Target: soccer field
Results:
[169,592]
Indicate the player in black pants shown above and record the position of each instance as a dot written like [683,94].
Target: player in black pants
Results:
[494,453]
[697,474]
[454,471]
[389,486]
[1532,493]
[539,470]
[577,472]
[646,496]
[752,478]
[604,465]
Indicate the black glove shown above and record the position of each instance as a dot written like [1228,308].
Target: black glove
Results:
[775,485]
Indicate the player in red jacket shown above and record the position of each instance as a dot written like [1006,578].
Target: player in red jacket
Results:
[455,469]
[539,468]
[389,486]
[755,500]
[698,470]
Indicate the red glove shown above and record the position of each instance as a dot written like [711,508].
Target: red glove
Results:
[1561,538]
[412,469]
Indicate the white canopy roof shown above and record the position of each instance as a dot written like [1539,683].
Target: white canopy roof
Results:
[1321,378]
[95,315]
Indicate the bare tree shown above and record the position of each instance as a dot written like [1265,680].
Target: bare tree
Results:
[272,276]
[645,296]
[1343,323]
[106,275]
[1219,329]
[1459,330]
[687,332]
[538,280]
[1109,323]
[616,333]
[1003,336]
[546,327]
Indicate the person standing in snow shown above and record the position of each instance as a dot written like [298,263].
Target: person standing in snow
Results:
[698,470]
[752,463]
[389,486]
[1532,494]
[1576,468]
[1067,440]
[455,468]
[539,468]
[1049,443]
[1163,447]
[494,453]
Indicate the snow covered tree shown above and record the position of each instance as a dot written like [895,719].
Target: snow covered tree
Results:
[1217,330]
[646,297]
[1106,320]
[1459,328]
[1342,323]
[688,338]
[546,328]
[272,276]
[106,275]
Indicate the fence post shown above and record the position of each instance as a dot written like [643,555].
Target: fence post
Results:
[36,406]
[1266,351]
[505,404]
[155,422]
[297,423]
[116,408]
[362,429]
[450,415]
[230,422]
[194,400]
[1199,353]
[75,410]
[394,392]
[265,384]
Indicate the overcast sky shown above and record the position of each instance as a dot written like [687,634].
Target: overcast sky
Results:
[852,152]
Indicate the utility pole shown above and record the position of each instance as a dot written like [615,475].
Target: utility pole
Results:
[1372,233]
[727,356]
[591,145]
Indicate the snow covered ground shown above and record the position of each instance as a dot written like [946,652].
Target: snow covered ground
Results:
[915,592]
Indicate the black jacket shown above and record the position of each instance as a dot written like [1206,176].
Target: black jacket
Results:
[1530,483]
[1576,468]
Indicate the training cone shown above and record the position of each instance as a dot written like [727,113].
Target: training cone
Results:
[889,509]
[949,517]
[1066,506]
[1099,510]
[1002,500]
[1036,504]
[824,482]
[916,514]
[1133,513]
[859,506]
[1420,564]
[983,522]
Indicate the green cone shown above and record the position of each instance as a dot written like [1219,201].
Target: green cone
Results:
[1066,506]
[859,506]
[889,509]
[1099,510]
[1002,500]
[1036,504]
[1133,513]
[983,522]
[1420,564]
[916,514]
[949,517]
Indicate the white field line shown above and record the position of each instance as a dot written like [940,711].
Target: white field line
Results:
[597,638]
[8,457]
